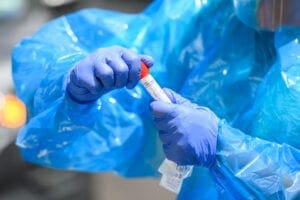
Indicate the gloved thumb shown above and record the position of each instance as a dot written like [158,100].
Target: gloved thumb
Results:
[175,97]
[162,109]
[148,60]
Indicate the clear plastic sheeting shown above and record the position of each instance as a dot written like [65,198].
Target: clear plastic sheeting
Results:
[202,50]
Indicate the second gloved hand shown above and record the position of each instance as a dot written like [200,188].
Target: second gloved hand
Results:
[104,70]
[188,132]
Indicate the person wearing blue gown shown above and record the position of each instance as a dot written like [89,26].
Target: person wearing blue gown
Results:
[231,69]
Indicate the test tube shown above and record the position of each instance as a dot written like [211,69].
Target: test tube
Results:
[172,174]
[152,86]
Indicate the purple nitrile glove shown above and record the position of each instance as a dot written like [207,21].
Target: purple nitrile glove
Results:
[104,70]
[188,132]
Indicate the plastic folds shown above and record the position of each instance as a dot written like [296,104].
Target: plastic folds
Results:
[202,50]
[116,132]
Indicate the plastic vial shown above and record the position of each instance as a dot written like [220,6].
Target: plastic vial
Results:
[172,174]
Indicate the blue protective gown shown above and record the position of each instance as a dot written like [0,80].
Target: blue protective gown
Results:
[249,78]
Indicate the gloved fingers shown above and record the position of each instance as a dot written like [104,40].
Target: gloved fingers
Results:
[165,137]
[208,113]
[171,152]
[134,65]
[105,74]
[171,94]
[161,109]
[120,70]
[148,60]
[84,98]
[75,89]
[165,124]
[84,76]
[178,154]
[175,97]
[80,95]
[178,99]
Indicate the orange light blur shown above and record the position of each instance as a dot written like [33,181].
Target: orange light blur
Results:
[12,112]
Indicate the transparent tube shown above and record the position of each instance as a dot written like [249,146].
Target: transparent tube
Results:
[172,174]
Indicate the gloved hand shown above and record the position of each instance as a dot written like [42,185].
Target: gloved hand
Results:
[104,70]
[188,132]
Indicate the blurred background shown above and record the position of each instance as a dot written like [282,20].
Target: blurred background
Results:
[20,180]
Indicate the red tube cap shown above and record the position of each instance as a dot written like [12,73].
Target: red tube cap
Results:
[144,70]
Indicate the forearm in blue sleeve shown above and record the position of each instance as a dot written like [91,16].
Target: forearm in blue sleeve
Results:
[252,168]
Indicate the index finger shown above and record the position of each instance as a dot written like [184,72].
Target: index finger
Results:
[162,109]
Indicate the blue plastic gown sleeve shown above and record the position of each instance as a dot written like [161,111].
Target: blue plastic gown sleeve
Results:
[266,164]
[265,105]
[252,168]
[108,134]
[116,132]
[207,66]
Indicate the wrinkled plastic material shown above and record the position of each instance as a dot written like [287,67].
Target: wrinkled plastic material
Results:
[243,75]
[262,169]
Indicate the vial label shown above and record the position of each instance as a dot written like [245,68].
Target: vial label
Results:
[154,89]
[173,175]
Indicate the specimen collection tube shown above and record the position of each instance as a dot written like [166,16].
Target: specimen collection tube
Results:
[172,174]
